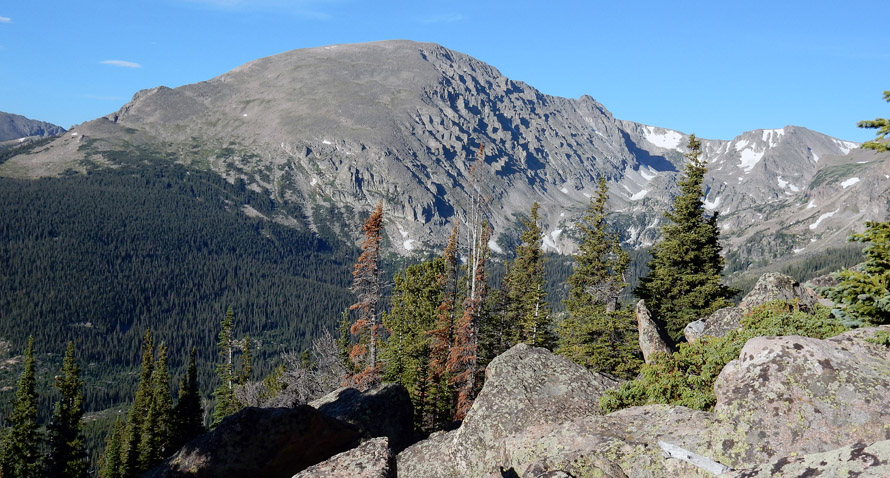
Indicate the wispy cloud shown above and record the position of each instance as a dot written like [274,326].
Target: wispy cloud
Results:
[5,20]
[444,18]
[121,63]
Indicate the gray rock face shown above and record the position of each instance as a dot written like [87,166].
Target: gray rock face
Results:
[859,460]
[385,411]
[336,128]
[14,126]
[267,442]
[803,395]
[371,459]
[524,387]
[651,337]
[771,286]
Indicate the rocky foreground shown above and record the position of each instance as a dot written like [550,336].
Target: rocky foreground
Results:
[788,406]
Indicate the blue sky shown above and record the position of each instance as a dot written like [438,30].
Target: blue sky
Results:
[712,68]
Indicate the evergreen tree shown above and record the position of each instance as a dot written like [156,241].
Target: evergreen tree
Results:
[130,465]
[344,345]
[463,363]
[883,126]
[527,318]
[597,333]
[158,427]
[442,400]
[67,456]
[226,403]
[684,281]
[20,457]
[864,295]
[188,413]
[406,352]
[367,288]
[111,465]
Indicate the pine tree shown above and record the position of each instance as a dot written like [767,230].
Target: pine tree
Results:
[20,457]
[67,456]
[684,281]
[442,400]
[597,333]
[367,288]
[883,126]
[157,430]
[527,317]
[111,465]
[130,465]
[406,352]
[864,295]
[188,413]
[463,363]
[226,404]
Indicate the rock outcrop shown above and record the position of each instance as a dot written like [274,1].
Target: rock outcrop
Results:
[267,442]
[371,459]
[652,339]
[771,286]
[525,387]
[859,460]
[803,395]
[384,411]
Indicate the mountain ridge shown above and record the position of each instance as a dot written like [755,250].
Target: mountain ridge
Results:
[338,128]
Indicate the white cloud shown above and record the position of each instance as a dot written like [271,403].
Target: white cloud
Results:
[444,18]
[5,20]
[121,63]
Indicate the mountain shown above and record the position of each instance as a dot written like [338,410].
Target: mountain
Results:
[14,127]
[336,129]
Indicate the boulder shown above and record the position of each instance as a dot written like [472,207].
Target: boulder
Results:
[371,459]
[718,324]
[859,459]
[771,286]
[621,444]
[652,338]
[803,395]
[524,387]
[384,411]
[267,442]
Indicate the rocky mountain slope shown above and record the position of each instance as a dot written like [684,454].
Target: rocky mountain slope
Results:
[338,128]
[14,127]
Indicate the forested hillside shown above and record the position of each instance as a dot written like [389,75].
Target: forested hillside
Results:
[99,258]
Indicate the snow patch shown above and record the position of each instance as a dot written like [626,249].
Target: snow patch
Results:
[639,195]
[409,245]
[313,182]
[845,146]
[325,142]
[785,184]
[798,251]
[815,157]
[647,176]
[742,144]
[750,158]
[811,205]
[711,205]
[562,214]
[494,246]
[823,217]
[244,115]
[550,240]
[772,136]
[849,182]
[564,190]
[667,140]
[72,134]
